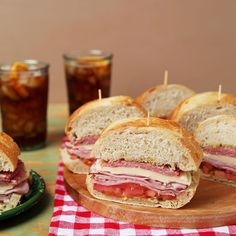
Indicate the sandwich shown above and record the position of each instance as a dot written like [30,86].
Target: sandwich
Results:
[217,137]
[85,125]
[154,165]
[197,108]
[13,175]
[159,101]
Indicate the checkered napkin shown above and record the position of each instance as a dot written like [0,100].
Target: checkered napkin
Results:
[70,218]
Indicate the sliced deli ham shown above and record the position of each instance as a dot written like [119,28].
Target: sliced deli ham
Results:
[220,164]
[162,189]
[80,148]
[159,180]
[16,177]
[21,188]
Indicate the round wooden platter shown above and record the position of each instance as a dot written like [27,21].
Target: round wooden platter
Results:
[214,204]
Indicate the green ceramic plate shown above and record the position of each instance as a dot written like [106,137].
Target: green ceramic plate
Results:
[37,190]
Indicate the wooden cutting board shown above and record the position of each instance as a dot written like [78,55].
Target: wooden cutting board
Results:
[214,204]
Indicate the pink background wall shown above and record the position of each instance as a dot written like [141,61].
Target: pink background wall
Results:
[194,40]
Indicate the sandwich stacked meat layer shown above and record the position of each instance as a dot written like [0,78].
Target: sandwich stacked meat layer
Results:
[217,137]
[13,175]
[161,100]
[152,165]
[86,124]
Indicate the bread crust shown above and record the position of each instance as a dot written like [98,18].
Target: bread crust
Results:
[95,104]
[180,201]
[9,152]
[201,99]
[186,138]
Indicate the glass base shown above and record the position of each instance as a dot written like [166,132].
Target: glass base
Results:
[33,147]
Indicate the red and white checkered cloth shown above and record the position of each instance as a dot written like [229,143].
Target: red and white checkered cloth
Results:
[70,218]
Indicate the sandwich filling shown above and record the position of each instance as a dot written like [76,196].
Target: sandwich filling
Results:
[13,182]
[81,148]
[138,180]
[220,162]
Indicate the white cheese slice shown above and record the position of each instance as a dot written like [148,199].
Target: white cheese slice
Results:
[225,159]
[184,178]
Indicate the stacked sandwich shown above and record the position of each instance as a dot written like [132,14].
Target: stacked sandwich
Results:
[217,137]
[212,120]
[86,124]
[13,175]
[153,164]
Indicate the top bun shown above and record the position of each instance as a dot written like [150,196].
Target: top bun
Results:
[94,116]
[9,152]
[195,109]
[161,142]
[162,99]
[217,131]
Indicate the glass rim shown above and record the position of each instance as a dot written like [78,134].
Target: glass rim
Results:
[92,52]
[39,65]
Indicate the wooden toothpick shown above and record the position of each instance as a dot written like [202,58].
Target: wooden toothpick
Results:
[219,92]
[148,118]
[166,78]
[100,95]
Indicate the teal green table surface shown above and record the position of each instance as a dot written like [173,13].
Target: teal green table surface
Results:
[36,220]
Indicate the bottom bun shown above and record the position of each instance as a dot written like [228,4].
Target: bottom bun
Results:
[74,165]
[218,179]
[13,202]
[180,201]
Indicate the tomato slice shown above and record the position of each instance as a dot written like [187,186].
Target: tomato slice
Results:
[206,167]
[130,190]
[223,174]
[88,162]
[230,176]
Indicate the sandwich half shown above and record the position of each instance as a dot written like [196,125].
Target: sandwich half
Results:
[86,124]
[13,175]
[153,165]
[197,108]
[159,101]
[217,137]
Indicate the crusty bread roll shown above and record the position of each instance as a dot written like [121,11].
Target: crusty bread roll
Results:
[217,137]
[9,152]
[159,101]
[195,109]
[161,144]
[91,119]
